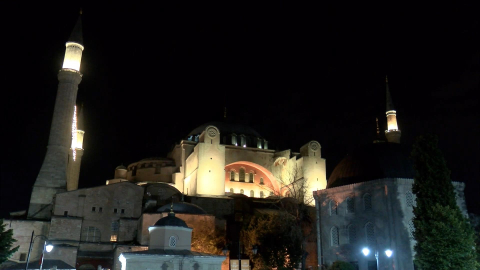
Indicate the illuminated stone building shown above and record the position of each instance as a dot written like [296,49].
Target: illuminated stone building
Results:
[369,202]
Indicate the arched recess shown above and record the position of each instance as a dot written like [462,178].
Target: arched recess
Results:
[270,183]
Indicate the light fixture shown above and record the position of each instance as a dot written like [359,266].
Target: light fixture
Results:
[49,247]
[365,251]
[388,252]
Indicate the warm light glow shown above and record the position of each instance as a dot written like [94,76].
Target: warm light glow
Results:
[49,248]
[388,252]
[113,238]
[73,56]
[74,132]
[365,251]
[392,120]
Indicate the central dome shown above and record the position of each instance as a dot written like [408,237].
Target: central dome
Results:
[227,128]
[371,162]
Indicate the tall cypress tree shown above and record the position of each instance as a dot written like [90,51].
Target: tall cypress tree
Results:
[6,242]
[444,237]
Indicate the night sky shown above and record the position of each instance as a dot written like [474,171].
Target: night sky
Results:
[294,72]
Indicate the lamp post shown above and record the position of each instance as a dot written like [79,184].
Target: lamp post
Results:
[366,251]
[46,247]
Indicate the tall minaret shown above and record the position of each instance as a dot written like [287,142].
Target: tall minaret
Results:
[392,133]
[52,178]
[76,150]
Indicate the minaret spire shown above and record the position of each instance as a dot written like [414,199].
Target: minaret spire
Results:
[392,133]
[52,178]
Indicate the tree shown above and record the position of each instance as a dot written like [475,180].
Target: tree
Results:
[6,242]
[444,237]
[278,240]
[341,265]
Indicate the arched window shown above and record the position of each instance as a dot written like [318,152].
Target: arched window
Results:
[91,234]
[231,190]
[261,180]
[350,205]
[115,228]
[241,191]
[261,194]
[352,234]
[241,175]
[367,201]
[252,193]
[332,207]
[370,234]
[243,141]
[409,198]
[334,237]
[250,177]
[234,139]
[232,176]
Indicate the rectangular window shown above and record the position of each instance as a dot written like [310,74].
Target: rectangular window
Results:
[23,257]
[93,209]
[65,213]
[100,209]
[123,211]
[115,210]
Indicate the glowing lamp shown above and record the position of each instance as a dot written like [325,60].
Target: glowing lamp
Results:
[365,251]
[49,248]
[388,252]
[73,56]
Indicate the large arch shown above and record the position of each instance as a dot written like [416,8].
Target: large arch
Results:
[270,184]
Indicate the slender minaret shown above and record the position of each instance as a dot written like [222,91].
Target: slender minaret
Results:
[52,177]
[392,133]
[76,150]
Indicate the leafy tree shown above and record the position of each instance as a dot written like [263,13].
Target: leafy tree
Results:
[6,242]
[444,237]
[278,240]
[341,265]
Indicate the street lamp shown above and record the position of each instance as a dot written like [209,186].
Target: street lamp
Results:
[366,251]
[254,251]
[46,247]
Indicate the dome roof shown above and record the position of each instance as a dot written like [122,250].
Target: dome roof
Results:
[227,128]
[171,220]
[371,162]
[183,208]
[121,167]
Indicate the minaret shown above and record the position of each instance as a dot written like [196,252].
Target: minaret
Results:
[392,133]
[52,178]
[76,150]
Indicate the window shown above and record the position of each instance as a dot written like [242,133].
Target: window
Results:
[91,234]
[261,194]
[232,176]
[252,193]
[231,190]
[234,139]
[411,228]
[350,205]
[265,144]
[370,234]
[65,213]
[100,209]
[352,234]
[333,207]
[334,237]
[243,141]
[23,257]
[241,191]
[172,241]
[261,181]
[259,143]
[115,210]
[93,209]
[241,175]
[123,211]
[367,201]
[115,228]
[250,177]
[409,198]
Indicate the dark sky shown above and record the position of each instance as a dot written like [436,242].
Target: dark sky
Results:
[295,72]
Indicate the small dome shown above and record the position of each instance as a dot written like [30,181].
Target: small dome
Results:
[371,162]
[171,220]
[183,208]
[121,167]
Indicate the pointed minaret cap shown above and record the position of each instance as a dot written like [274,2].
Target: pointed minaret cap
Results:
[389,97]
[76,35]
